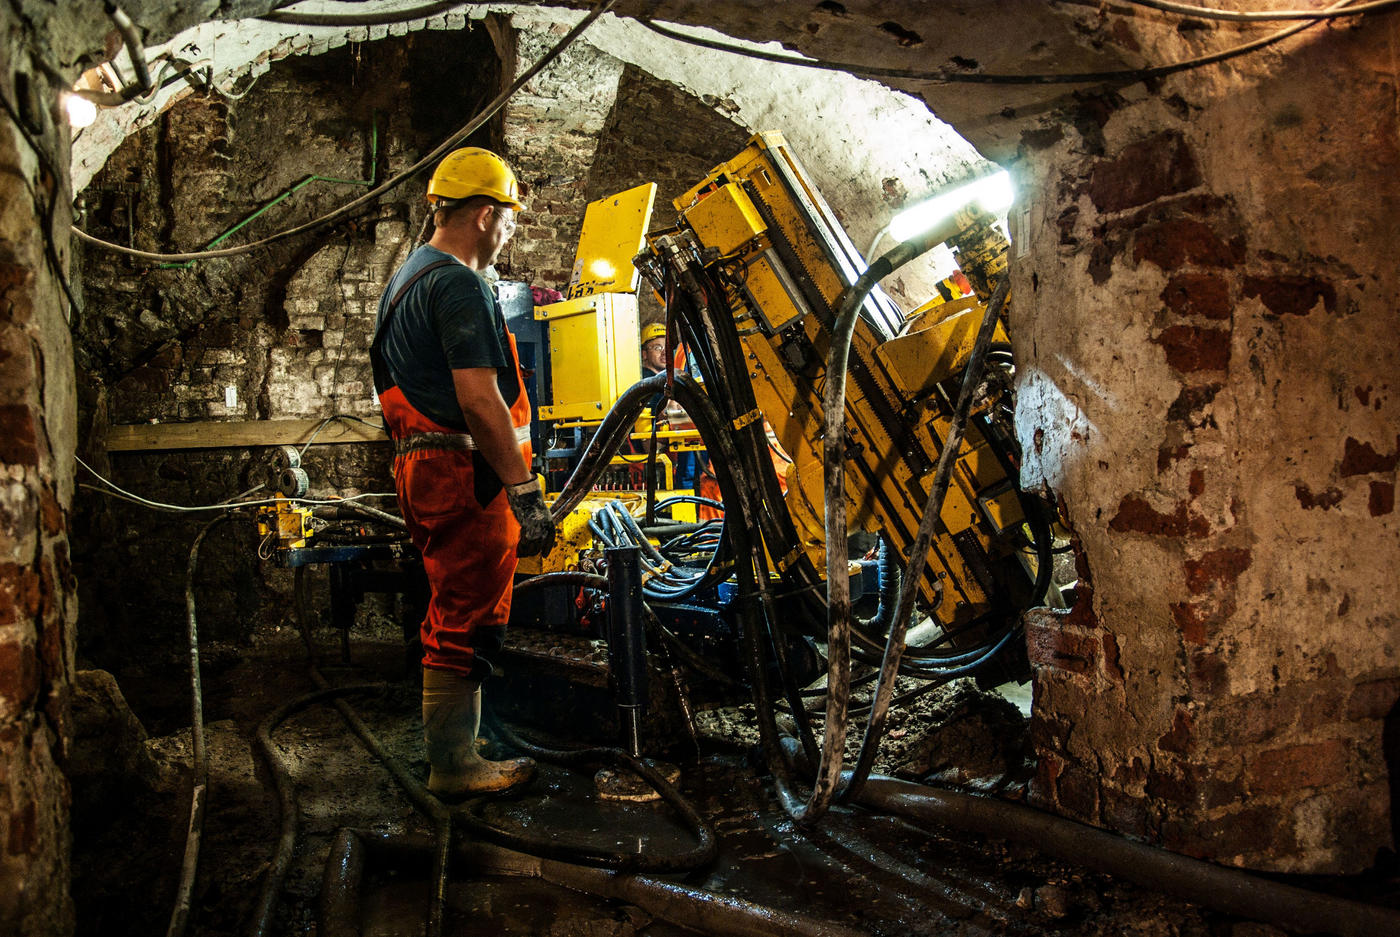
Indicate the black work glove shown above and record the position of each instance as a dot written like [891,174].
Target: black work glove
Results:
[536,525]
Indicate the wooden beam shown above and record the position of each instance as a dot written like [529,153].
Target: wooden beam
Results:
[238,434]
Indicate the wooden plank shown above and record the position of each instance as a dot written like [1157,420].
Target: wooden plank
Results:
[238,434]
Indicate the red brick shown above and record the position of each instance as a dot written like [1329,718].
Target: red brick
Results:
[19,593]
[1198,294]
[1126,813]
[1175,242]
[19,676]
[1361,458]
[1217,567]
[1285,771]
[1051,646]
[1382,500]
[1291,295]
[1374,699]
[1135,514]
[1144,172]
[18,441]
[1243,832]
[1190,348]
[1077,791]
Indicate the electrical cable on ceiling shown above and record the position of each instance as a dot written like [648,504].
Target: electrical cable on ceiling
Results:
[1265,16]
[388,18]
[389,184]
[992,78]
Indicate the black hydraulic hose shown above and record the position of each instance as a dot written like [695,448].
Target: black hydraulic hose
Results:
[702,854]
[923,539]
[341,510]
[838,577]
[740,426]
[737,499]
[595,581]
[605,442]
[286,800]
[1228,890]
[888,576]
[199,774]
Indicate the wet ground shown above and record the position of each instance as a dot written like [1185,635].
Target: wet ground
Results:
[874,874]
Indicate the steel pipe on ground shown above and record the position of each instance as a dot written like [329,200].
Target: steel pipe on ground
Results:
[1229,890]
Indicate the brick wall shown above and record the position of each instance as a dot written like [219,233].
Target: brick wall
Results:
[1207,375]
[36,446]
[552,129]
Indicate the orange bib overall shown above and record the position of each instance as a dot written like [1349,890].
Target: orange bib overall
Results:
[460,520]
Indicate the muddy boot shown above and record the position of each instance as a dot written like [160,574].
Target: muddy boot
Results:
[451,717]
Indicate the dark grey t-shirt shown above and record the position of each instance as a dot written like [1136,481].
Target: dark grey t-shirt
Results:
[448,319]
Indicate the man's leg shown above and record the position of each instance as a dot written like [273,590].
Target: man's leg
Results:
[469,558]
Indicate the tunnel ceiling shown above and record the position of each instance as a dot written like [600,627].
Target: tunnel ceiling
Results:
[1014,36]
[870,149]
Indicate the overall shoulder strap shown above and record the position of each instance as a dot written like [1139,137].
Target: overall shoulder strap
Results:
[382,380]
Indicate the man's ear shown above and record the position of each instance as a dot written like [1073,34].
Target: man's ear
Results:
[481,217]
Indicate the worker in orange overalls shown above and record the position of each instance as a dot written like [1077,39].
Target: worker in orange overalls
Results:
[449,381]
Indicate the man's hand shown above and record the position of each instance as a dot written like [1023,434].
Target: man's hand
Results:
[536,525]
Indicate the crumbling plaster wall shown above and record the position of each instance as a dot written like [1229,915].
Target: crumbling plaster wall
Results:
[1205,325]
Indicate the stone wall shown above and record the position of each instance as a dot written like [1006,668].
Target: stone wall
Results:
[287,327]
[552,129]
[36,490]
[1205,327]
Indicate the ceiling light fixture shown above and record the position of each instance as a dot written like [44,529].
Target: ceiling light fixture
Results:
[994,194]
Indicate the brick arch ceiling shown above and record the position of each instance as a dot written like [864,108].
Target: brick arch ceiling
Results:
[868,147]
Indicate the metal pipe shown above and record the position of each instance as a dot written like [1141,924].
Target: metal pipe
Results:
[1229,890]
[627,643]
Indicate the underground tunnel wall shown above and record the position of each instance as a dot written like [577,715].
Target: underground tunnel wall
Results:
[1205,328]
[1308,189]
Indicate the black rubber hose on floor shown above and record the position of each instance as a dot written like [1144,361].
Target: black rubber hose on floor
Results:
[1229,890]
[286,800]
[695,909]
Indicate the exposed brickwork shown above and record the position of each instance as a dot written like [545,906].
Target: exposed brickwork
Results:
[1144,172]
[36,608]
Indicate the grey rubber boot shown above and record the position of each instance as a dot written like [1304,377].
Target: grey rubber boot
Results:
[451,717]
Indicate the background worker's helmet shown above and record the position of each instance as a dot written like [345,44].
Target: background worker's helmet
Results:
[474,171]
[653,330]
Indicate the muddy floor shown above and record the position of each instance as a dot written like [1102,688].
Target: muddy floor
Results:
[873,874]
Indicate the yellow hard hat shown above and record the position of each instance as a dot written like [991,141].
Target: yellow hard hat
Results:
[474,171]
[653,330]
